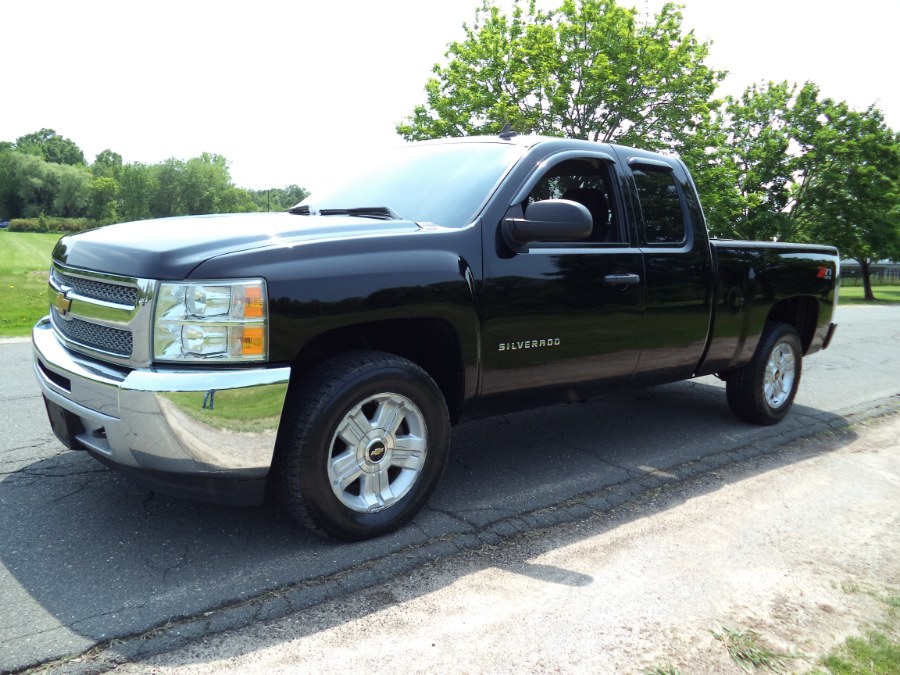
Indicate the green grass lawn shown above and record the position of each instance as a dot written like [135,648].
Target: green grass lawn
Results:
[24,262]
[878,651]
[884,295]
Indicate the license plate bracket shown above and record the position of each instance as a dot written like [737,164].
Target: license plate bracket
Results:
[66,425]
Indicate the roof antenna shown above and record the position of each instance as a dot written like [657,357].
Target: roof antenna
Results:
[507,132]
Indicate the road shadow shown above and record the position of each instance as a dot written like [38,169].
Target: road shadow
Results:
[92,558]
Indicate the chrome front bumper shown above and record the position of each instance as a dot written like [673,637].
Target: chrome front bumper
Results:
[180,428]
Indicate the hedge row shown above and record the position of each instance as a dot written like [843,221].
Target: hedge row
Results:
[51,224]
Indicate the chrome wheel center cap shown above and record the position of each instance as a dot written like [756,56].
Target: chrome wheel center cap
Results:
[376,451]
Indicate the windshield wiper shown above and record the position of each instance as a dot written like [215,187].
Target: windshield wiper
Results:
[380,212]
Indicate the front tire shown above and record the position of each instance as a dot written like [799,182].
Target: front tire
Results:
[367,440]
[763,391]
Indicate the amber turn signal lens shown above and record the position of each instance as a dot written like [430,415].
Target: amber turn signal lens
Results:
[254,307]
[253,341]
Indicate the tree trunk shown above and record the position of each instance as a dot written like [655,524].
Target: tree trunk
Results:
[864,267]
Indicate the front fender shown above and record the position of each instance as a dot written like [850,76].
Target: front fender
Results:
[319,288]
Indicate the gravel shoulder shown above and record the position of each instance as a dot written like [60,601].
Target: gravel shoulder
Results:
[796,545]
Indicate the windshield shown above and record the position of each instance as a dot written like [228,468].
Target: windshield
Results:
[444,184]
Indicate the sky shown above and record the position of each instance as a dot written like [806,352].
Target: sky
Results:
[292,92]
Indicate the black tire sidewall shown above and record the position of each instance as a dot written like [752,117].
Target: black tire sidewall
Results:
[368,376]
[746,389]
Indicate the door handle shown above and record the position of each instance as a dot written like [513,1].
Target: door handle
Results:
[622,279]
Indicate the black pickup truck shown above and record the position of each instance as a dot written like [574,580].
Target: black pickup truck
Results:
[322,354]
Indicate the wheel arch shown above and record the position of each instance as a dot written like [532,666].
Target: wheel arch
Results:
[431,343]
[801,312]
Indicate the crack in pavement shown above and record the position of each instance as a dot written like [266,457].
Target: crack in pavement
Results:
[51,473]
[100,615]
[631,473]
[81,488]
[180,561]
[35,445]
[23,397]
[458,517]
[31,634]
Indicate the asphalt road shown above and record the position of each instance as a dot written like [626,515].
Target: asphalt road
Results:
[87,557]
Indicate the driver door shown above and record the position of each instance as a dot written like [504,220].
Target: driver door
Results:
[565,315]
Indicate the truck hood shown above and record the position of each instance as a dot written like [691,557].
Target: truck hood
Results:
[169,248]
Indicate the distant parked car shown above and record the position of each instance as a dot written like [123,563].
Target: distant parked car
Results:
[4,223]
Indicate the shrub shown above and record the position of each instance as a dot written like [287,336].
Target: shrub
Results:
[51,224]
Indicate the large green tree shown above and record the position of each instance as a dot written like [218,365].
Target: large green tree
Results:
[748,156]
[32,184]
[849,195]
[588,69]
[104,199]
[199,185]
[781,162]
[50,146]
[137,186]
[9,201]
[278,199]
[71,185]
[107,163]
[205,185]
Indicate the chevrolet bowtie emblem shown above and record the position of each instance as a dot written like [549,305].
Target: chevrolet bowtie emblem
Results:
[62,303]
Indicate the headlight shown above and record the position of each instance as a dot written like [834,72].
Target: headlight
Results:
[220,320]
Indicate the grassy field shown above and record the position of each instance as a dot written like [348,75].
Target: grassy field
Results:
[884,295]
[24,262]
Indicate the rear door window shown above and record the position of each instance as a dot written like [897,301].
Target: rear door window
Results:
[661,205]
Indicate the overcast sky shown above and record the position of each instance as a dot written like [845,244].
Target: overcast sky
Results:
[288,91]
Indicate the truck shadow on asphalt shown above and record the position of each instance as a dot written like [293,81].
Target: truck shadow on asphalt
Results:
[94,559]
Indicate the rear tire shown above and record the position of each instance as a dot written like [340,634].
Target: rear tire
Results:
[366,442]
[763,391]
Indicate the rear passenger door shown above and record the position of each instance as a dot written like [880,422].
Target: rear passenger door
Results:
[677,268]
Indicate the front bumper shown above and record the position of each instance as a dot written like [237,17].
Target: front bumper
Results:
[206,434]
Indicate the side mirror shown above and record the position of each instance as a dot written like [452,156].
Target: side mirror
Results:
[548,220]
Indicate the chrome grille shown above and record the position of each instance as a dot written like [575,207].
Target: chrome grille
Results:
[112,340]
[100,290]
[106,316]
